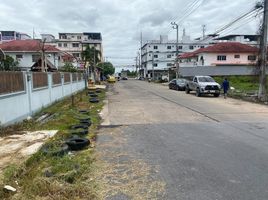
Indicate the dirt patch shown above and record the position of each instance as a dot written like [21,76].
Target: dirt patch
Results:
[16,148]
[122,174]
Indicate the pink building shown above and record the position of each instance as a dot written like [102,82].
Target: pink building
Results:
[225,53]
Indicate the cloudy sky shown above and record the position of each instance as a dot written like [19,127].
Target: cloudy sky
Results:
[121,21]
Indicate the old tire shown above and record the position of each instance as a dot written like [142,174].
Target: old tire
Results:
[79,132]
[93,95]
[86,123]
[94,100]
[217,95]
[76,144]
[86,112]
[78,126]
[98,91]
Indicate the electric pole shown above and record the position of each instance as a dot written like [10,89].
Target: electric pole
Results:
[153,65]
[262,87]
[43,67]
[176,26]
[140,58]
[204,30]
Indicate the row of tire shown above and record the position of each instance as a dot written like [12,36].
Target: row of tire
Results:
[78,140]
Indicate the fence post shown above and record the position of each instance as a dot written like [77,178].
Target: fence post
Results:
[71,81]
[62,84]
[29,78]
[49,76]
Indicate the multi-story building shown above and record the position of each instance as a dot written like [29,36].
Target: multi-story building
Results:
[158,56]
[75,43]
[7,36]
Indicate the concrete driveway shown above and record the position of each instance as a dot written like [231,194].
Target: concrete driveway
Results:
[188,147]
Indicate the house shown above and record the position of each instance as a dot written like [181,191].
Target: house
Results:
[28,54]
[158,56]
[7,36]
[224,53]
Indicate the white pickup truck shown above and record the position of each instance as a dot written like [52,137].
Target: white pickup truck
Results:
[203,85]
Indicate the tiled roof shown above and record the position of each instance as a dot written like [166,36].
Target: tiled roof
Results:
[26,46]
[223,47]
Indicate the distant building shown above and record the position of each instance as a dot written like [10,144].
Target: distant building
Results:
[158,56]
[28,54]
[48,38]
[7,36]
[223,53]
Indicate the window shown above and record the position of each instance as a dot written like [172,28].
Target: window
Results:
[155,56]
[252,57]
[155,47]
[169,64]
[19,57]
[221,57]
[168,47]
[65,44]
[236,56]
[169,56]
[202,47]
[72,36]
[35,58]
[155,64]
[191,47]
[75,44]
[180,47]
[79,37]
[59,45]
[63,37]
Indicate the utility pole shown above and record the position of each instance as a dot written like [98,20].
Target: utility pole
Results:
[176,26]
[153,65]
[140,57]
[262,87]
[204,30]
[43,56]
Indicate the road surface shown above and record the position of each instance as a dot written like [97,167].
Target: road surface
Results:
[164,144]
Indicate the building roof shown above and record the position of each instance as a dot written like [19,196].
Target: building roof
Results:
[223,47]
[26,46]
[228,37]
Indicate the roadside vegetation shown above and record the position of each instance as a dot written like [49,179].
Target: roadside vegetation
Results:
[245,87]
[45,176]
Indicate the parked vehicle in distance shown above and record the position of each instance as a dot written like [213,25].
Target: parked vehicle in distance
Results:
[177,84]
[111,79]
[203,85]
[124,78]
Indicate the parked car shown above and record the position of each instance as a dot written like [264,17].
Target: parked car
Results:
[111,79]
[177,84]
[203,85]
[124,78]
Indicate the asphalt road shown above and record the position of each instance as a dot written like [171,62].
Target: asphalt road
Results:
[205,148]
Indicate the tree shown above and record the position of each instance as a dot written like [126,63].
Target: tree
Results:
[107,67]
[92,56]
[68,67]
[9,64]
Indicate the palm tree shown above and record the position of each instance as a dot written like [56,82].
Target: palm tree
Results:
[92,56]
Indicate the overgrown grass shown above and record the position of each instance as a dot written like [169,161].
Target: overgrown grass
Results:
[45,176]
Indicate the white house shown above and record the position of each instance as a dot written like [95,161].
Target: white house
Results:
[28,53]
[224,53]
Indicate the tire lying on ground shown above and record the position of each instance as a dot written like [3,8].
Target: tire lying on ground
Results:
[93,95]
[86,122]
[98,91]
[83,118]
[90,92]
[79,126]
[76,144]
[86,112]
[55,149]
[79,132]
[94,100]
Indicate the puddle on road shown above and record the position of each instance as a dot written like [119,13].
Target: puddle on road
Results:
[16,148]
[122,174]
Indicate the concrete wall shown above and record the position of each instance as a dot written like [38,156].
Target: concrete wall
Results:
[15,107]
[217,70]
